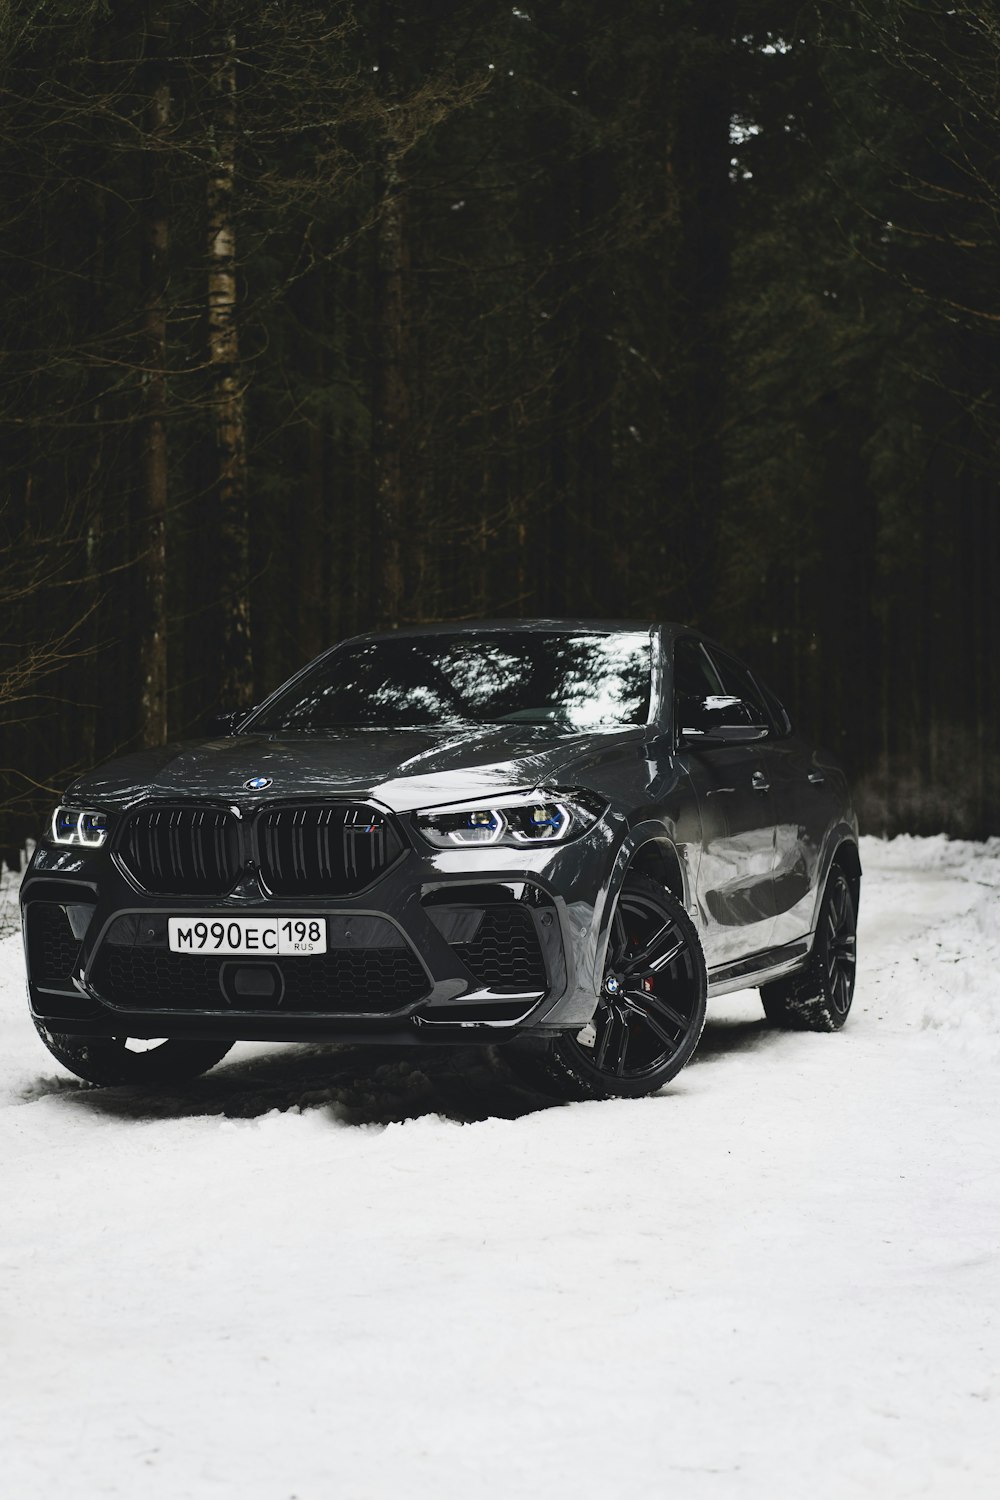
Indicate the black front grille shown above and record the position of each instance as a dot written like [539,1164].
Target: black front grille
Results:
[309,850]
[369,981]
[324,850]
[190,850]
[52,948]
[505,952]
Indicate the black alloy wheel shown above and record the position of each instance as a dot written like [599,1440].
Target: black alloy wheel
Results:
[819,997]
[115,1060]
[650,1011]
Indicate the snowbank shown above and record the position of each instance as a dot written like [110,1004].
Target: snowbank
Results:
[931,947]
[303,1277]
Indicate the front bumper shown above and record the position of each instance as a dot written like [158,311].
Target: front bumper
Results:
[458,944]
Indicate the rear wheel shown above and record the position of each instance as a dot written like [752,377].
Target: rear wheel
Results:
[121,1059]
[650,1013]
[819,997]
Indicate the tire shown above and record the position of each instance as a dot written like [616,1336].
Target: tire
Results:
[110,1060]
[818,997]
[650,1013]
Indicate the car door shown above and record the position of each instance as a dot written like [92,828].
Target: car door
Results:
[734,885]
[807,792]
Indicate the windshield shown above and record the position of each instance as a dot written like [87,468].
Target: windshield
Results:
[572,681]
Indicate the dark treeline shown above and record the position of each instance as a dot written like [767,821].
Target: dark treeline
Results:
[322,316]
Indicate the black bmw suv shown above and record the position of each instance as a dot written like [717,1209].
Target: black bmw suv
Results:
[561,836]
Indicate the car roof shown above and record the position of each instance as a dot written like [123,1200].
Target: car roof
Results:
[516,626]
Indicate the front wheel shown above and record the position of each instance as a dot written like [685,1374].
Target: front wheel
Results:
[818,998]
[111,1060]
[650,1012]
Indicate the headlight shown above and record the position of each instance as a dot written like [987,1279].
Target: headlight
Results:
[70,826]
[550,817]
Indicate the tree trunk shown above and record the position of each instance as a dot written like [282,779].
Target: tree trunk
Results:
[309,569]
[153,522]
[391,402]
[236,687]
[698,214]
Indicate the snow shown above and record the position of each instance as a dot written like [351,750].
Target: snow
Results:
[323,1273]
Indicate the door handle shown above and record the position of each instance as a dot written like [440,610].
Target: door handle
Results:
[759,782]
[815,778]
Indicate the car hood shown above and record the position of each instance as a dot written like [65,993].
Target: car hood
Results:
[403,769]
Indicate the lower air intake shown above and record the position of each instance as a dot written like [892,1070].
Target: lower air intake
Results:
[363,981]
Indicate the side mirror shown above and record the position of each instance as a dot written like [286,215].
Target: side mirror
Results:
[719,720]
[726,734]
[225,722]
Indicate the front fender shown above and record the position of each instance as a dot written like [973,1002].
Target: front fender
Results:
[651,846]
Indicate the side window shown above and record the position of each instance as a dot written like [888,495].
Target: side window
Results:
[695,679]
[737,681]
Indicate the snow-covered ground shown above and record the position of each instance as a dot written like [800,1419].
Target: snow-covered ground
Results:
[323,1274]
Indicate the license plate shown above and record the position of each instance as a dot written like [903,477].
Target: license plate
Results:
[249,937]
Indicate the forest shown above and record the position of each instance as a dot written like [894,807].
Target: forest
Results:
[351,313]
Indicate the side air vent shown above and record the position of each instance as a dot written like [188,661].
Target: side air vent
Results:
[52,947]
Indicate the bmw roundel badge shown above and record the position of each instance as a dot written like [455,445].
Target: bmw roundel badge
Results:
[257,783]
